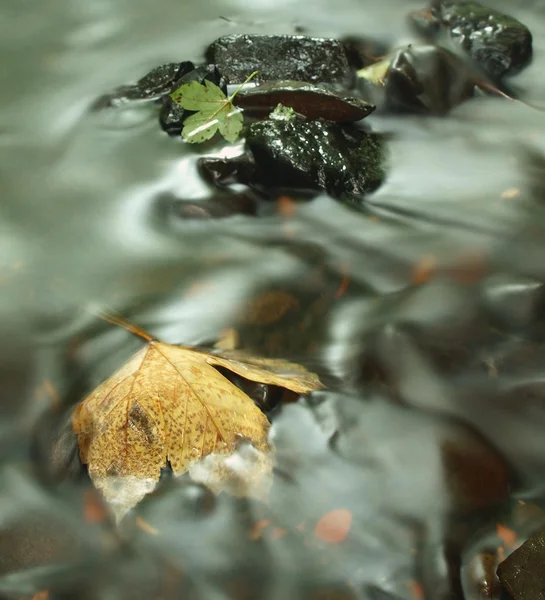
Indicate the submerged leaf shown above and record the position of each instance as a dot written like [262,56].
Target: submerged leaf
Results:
[168,404]
[376,73]
[215,111]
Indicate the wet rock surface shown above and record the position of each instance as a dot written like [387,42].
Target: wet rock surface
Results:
[315,154]
[277,57]
[158,82]
[422,79]
[305,99]
[522,572]
[500,44]
[223,172]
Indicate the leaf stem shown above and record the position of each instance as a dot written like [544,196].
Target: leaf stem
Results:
[249,78]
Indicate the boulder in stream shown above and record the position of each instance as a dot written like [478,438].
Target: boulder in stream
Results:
[343,160]
[498,43]
[281,57]
[522,573]
[422,79]
[158,82]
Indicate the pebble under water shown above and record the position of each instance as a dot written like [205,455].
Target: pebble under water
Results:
[420,468]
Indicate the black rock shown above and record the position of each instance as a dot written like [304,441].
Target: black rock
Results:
[344,161]
[500,44]
[425,79]
[280,57]
[163,79]
[222,172]
[522,572]
[172,115]
[159,81]
[305,99]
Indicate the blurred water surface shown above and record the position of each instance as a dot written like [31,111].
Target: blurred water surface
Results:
[431,432]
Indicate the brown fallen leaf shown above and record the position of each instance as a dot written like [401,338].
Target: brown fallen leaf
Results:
[169,404]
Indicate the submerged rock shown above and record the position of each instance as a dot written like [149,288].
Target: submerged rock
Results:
[222,172]
[172,115]
[344,161]
[305,99]
[221,205]
[500,44]
[425,79]
[522,572]
[159,81]
[163,79]
[277,57]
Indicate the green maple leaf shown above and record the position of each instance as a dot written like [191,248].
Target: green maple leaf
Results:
[215,111]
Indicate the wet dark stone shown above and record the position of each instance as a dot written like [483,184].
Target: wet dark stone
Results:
[265,396]
[522,572]
[159,81]
[344,161]
[500,44]
[222,172]
[172,115]
[277,57]
[306,99]
[423,79]
[163,79]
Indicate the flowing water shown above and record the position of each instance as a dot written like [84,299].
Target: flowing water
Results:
[424,314]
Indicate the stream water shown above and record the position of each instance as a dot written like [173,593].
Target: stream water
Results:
[424,313]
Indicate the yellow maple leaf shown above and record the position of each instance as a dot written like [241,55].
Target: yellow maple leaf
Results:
[168,404]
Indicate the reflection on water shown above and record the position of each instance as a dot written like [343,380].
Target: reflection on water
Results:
[424,314]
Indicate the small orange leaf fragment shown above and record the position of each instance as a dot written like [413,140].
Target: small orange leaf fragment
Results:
[257,530]
[43,595]
[506,535]
[94,510]
[52,393]
[345,282]
[145,526]
[424,269]
[416,589]
[278,533]
[334,526]
[286,206]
